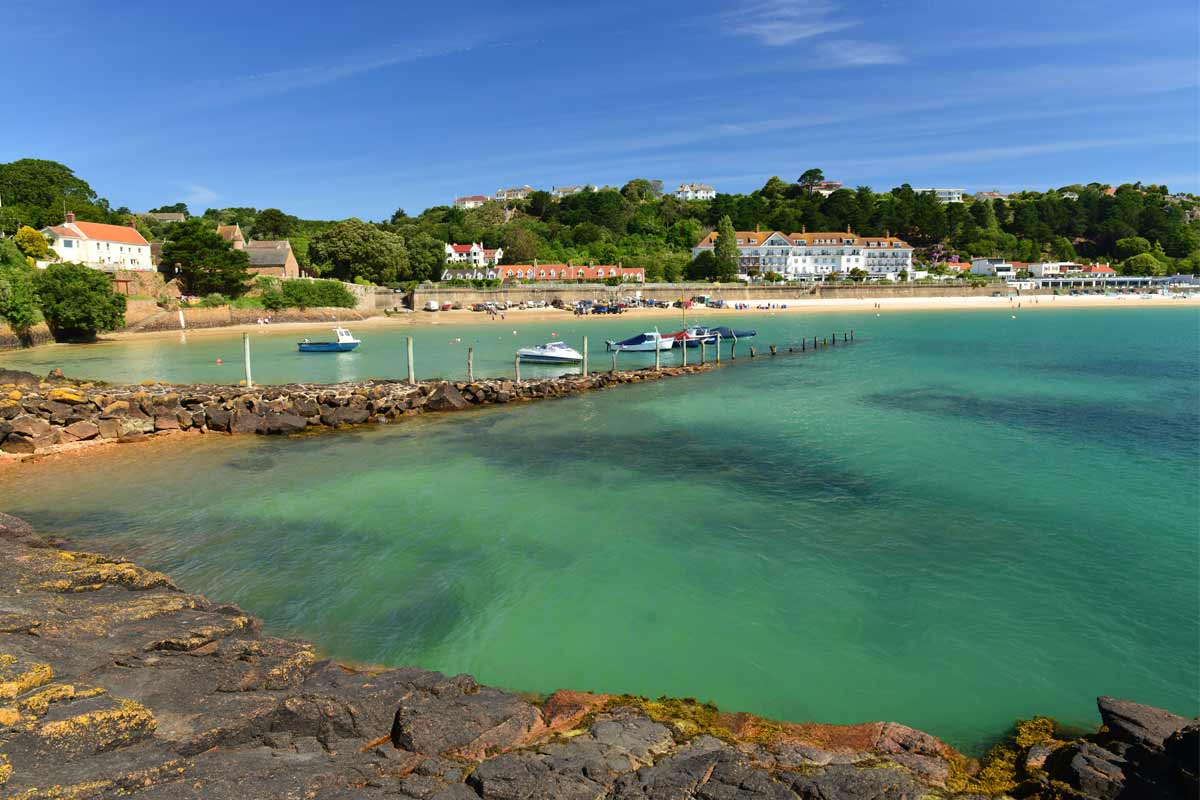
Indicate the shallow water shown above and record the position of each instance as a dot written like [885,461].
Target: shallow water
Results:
[959,520]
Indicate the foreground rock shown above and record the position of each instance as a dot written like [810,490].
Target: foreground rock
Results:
[113,682]
[39,415]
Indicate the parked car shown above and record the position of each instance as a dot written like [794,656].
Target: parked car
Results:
[432,305]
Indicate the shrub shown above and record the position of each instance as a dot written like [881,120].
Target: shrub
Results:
[213,300]
[18,301]
[312,294]
[78,302]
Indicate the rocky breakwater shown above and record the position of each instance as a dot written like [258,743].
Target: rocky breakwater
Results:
[38,415]
[114,682]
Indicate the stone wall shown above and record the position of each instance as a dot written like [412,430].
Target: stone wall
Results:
[38,415]
[223,316]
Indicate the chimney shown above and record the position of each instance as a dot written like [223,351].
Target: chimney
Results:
[756,227]
[847,227]
[804,229]
[131,224]
[70,217]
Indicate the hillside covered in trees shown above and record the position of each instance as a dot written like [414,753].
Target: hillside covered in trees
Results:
[1142,228]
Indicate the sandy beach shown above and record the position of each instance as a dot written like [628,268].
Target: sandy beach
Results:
[793,306]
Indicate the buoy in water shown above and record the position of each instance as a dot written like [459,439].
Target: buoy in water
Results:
[218,362]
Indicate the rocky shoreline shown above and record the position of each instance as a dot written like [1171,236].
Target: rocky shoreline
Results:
[114,682]
[38,415]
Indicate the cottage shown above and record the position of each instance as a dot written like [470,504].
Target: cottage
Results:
[233,235]
[273,258]
[695,191]
[100,246]
[471,201]
[474,254]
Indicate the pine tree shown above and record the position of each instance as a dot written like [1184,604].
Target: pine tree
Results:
[725,253]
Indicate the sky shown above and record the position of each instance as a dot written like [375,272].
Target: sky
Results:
[358,108]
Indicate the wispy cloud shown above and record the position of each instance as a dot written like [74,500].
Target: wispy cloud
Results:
[199,194]
[855,53]
[782,22]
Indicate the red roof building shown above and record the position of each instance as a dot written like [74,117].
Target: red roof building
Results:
[100,245]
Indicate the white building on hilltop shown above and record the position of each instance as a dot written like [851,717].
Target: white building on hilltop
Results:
[559,192]
[943,195]
[474,254]
[695,191]
[516,193]
[100,246]
[471,201]
[815,256]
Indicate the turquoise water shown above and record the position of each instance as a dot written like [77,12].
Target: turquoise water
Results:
[960,520]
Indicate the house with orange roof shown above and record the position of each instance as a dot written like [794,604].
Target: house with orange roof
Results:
[474,254]
[233,235]
[817,255]
[470,201]
[536,272]
[100,245]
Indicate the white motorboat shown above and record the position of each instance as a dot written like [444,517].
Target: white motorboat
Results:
[643,342]
[550,353]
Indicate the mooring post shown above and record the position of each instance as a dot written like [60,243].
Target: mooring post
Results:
[718,348]
[814,343]
[246,353]
[683,349]
[752,351]
[703,355]
[412,373]
[471,364]
[773,350]
[833,338]
[614,367]
[803,345]
[517,366]
[733,349]
[584,356]
[844,339]
[657,358]
[852,334]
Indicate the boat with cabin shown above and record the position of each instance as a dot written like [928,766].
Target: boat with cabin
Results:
[550,353]
[345,343]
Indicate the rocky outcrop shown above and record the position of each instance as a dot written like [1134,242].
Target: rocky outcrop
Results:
[114,682]
[39,415]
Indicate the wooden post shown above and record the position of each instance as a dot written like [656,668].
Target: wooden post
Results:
[657,358]
[844,339]
[718,348]
[773,350]
[852,334]
[517,366]
[246,354]
[733,349]
[683,349]
[703,355]
[471,364]
[614,367]
[752,351]
[584,356]
[803,345]
[834,338]
[814,343]
[412,373]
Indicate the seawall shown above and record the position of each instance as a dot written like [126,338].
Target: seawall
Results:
[39,415]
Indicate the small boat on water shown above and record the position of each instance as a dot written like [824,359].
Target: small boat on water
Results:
[345,342]
[728,334]
[692,337]
[550,353]
[643,342]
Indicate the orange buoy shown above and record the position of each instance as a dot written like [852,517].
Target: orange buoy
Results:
[218,362]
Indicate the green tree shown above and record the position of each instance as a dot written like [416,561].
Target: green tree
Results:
[1063,249]
[703,267]
[18,301]
[271,223]
[356,249]
[639,190]
[1141,264]
[810,178]
[203,261]
[520,246]
[175,208]
[426,257]
[32,243]
[725,253]
[1131,246]
[78,302]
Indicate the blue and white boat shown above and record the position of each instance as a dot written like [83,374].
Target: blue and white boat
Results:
[345,343]
[728,334]
[550,353]
[643,342]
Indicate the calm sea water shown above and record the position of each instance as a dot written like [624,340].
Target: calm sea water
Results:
[961,519]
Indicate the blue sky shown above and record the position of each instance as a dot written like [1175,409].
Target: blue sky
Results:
[357,111]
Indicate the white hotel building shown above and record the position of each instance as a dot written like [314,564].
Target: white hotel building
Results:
[814,256]
[695,191]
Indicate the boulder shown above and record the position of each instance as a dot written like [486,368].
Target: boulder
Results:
[277,422]
[217,417]
[17,443]
[117,408]
[1089,769]
[1136,724]
[109,428]
[83,430]
[18,377]
[447,398]
[29,425]
[166,422]
[244,421]
[344,415]
[66,395]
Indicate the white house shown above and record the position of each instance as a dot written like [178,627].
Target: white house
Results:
[472,201]
[474,254]
[559,192]
[943,195]
[993,266]
[695,191]
[1070,195]
[100,246]
[826,188]
[518,193]
[1052,269]
[814,256]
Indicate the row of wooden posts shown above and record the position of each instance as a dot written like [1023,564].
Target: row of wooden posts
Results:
[817,343]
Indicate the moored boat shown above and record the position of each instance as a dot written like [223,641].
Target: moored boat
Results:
[550,353]
[729,334]
[345,342]
[643,342]
[692,337]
